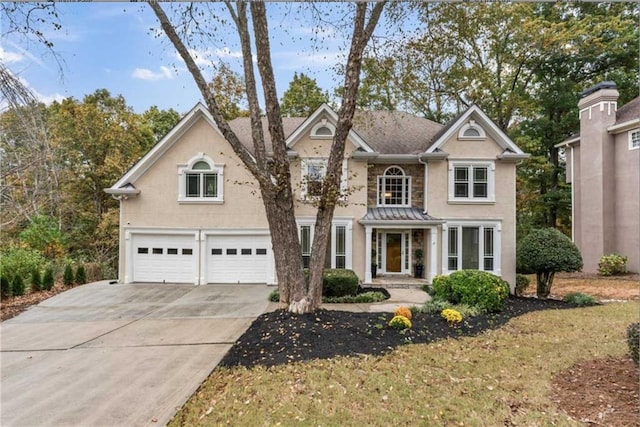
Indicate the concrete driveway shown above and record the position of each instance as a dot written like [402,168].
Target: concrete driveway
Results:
[118,355]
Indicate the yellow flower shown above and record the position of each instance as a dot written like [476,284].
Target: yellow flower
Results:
[400,322]
[451,316]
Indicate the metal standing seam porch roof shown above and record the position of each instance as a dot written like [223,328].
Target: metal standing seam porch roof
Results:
[400,216]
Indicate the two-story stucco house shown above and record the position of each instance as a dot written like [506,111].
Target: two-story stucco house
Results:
[190,212]
[602,166]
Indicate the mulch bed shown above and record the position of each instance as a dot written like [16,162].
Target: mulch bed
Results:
[281,337]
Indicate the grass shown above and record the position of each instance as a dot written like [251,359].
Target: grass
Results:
[502,377]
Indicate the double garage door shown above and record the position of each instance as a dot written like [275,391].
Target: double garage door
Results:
[187,258]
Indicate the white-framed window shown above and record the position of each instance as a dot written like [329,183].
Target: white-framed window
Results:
[471,181]
[634,139]
[313,172]
[472,246]
[201,181]
[339,252]
[394,188]
[471,130]
[323,130]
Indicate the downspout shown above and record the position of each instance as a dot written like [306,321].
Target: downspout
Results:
[573,197]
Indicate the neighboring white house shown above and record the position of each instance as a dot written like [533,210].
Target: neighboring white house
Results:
[191,213]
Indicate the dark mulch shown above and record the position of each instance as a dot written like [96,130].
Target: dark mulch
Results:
[281,337]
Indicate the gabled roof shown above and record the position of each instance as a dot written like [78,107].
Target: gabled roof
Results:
[199,111]
[325,111]
[483,120]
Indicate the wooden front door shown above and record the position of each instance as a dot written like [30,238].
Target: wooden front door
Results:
[394,252]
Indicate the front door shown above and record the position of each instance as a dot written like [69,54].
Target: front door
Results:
[394,252]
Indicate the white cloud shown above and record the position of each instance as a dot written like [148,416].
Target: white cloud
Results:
[225,52]
[146,74]
[10,57]
[208,57]
[299,60]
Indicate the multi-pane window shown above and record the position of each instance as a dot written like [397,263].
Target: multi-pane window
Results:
[471,182]
[394,188]
[305,242]
[313,173]
[634,139]
[471,248]
[339,240]
[201,182]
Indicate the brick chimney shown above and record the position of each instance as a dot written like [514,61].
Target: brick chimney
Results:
[598,106]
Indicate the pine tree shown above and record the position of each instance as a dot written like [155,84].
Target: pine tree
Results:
[36,281]
[67,277]
[47,281]
[5,288]
[81,275]
[17,286]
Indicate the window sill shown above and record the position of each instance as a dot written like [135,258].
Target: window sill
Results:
[195,201]
[471,202]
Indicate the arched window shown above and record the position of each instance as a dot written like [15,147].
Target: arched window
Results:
[471,130]
[323,130]
[201,180]
[394,188]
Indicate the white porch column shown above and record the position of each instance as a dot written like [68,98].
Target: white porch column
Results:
[433,255]
[367,254]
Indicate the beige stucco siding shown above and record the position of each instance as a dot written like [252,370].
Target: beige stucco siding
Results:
[158,204]
[355,206]
[502,209]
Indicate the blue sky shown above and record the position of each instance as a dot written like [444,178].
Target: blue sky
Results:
[118,46]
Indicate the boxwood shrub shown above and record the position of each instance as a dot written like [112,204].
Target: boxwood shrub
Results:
[339,282]
[473,287]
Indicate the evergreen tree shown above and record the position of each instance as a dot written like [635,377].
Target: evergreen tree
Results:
[5,288]
[17,287]
[47,281]
[302,97]
[81,275]
[67,277]
[36,282]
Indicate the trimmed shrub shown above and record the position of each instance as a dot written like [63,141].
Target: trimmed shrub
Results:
[633,341]
[36,281]
[522,283]
[441,288]
[613,264]
[274,296]
[400,322]
[17,287]
[81,275]
[473,287]
[580,299]
[5,288]
[545,252]
[67,276]
[363,298]
[339,282]
[47,279]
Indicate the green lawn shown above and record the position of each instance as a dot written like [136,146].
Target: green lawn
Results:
[501,377]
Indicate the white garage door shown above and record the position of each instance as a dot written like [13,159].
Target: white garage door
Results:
[169,258]
[238,258]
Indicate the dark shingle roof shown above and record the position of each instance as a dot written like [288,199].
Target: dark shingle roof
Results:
[629,111]
[387,132]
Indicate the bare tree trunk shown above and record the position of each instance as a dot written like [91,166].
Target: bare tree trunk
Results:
[362,32]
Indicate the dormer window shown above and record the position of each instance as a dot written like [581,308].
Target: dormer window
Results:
[394,188]
[471,130]
[323,130]
[200,181]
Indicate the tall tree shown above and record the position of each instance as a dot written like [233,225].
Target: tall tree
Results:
[229,89]
[273,174]
[302,97]
[98,139]
[160,121]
